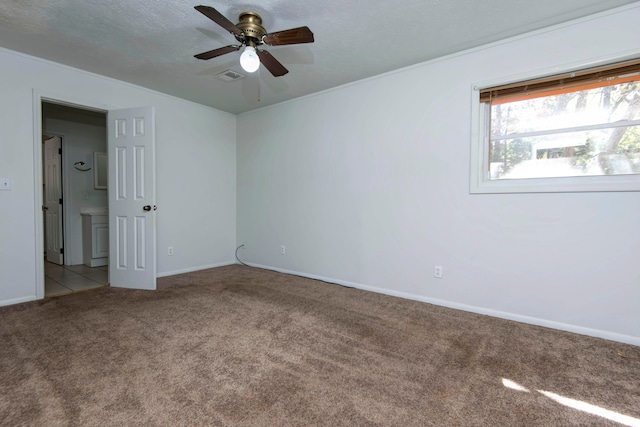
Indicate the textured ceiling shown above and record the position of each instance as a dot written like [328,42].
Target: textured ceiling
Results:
[151,43]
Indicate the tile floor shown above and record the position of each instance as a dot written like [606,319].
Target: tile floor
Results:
[64,279]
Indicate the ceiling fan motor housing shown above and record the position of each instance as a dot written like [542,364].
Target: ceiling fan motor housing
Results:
[250,33]
[251,25]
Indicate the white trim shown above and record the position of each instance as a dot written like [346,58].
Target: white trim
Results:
[581,184]
[18,300]
[627,339]
[192,269]
[479,182]
[37,197]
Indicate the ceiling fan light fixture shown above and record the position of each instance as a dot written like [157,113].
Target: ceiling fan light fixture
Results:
[250,33]
[249,59]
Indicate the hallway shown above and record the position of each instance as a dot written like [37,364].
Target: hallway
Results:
[65,279]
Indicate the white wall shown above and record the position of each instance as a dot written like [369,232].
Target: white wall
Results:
[368,185]
[195,165]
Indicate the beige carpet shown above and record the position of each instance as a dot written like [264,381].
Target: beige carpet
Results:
[243,346]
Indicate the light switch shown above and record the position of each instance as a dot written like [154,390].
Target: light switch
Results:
[5,183]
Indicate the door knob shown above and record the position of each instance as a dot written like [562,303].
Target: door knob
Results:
[146,208]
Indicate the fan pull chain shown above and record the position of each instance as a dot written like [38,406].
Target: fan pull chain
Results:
[259,84]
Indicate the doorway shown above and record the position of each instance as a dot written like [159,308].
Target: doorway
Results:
[132,222]
[71,137]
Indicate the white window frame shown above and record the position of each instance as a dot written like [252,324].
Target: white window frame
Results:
[479,171]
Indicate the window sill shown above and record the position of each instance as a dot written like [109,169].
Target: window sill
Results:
[619,183]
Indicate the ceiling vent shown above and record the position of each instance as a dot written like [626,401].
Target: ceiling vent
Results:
[229,76]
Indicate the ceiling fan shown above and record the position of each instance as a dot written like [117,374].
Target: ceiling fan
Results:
[251,34]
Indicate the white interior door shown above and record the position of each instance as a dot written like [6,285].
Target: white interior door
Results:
[53,200]
[132,230]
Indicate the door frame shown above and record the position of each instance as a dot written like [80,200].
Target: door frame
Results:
[40,96]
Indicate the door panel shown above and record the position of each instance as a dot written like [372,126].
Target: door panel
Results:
[53,200]
[131,146]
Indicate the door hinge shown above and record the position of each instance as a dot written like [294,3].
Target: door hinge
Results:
[60,200]
[59,150]
[61,251]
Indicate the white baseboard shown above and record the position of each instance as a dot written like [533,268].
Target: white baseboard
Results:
[17,300]
[192,269]
[612,336]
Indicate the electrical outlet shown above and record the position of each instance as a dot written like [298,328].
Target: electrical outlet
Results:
[437,272]
[283,250]
[170,250]
[5,184]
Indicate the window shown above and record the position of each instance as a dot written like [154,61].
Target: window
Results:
[579,131]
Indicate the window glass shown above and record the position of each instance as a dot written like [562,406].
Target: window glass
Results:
[584,131]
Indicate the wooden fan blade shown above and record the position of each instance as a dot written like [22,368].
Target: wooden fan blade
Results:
[271,63]
[292,36]
[217,52]
[219,19]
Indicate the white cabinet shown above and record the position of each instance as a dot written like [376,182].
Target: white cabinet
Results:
[95,239]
